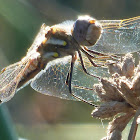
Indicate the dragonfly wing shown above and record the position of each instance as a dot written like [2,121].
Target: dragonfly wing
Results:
[83,83]
[119,36]
[9,79]
[51,81]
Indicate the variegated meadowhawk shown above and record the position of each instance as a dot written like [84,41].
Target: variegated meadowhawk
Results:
[49,63]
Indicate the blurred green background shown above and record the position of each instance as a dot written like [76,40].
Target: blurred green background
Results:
[36,116]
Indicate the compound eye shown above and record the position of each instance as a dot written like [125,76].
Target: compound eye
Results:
[86,30]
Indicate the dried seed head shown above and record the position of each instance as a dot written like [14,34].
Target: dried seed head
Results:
[128,66]
[120,94]
[136,84]
[114,68]
[110,90]
[110,109]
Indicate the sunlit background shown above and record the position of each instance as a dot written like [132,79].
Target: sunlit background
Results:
[36,116]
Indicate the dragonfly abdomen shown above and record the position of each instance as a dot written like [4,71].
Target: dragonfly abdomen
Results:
[33,69]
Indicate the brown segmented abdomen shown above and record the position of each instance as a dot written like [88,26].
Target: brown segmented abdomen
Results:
[34,68]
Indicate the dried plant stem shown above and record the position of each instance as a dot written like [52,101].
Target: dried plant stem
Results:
[134,126]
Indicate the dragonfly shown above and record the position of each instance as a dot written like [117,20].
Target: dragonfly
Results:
[68,56]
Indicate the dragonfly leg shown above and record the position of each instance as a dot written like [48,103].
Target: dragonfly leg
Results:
[69,75]
[84,68]
[87,53]
[91,56]
[69,79]
[95,64]
[103,56]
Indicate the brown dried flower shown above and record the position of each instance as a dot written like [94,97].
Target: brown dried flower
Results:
[120,96]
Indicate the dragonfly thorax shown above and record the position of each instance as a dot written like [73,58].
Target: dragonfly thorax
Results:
[58,44]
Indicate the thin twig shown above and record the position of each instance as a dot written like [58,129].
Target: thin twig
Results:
[134,126]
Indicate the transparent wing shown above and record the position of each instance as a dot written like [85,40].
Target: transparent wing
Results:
[119,36]
[83,83]
[51,81]
[11,75]
[9,79]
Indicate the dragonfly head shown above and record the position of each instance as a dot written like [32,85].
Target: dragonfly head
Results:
[86,30]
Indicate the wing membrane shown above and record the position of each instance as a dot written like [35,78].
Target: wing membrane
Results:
[11,75]
[119,36]
[51,81]
[9,79]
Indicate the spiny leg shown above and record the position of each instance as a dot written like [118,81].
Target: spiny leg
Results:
[91,57]
[95,64]
[103,64]
[69,79]
[84,68]
[69,75]
[103,56]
